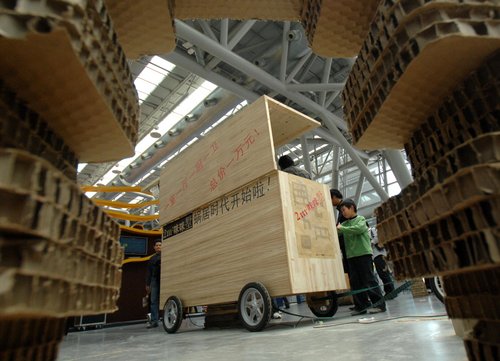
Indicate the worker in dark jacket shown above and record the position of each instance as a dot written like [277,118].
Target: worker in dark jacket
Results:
[337,198]
[287,164]
[153,284]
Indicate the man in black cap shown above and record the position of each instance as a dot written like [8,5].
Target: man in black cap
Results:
[287,164]
[337,198]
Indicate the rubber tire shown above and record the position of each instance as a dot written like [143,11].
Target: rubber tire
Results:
[331,309]
[435,284]
[267,303]
[180,315]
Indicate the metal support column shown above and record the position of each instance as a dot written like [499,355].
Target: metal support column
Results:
[305,154]
[359,188]
[331,120]
[335,166]
[398,166]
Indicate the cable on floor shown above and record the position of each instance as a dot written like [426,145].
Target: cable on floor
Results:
[381,320]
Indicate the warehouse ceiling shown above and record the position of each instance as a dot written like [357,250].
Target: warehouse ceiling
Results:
[241,60]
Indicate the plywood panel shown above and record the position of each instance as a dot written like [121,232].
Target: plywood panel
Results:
[235,239]
[312,241]
[287,123]
[209,255]
[234,153]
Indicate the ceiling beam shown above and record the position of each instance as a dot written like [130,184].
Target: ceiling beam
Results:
[323,87]
[331,120]
[195,37]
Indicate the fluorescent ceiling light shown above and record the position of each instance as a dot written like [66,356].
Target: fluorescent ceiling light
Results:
[147,81]
[184,108]
[136,200]
[118,196]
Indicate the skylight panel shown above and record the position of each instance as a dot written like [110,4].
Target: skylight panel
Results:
[151,76]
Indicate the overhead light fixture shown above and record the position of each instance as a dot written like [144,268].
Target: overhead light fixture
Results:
[260,62]
[176,115]
[191,118]
[294,35]
[155,134]
[174,131]
[210,102]
[159,144]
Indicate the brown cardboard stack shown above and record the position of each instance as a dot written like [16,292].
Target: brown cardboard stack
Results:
[64,61]
[61,251]
[231,218]
[238,9]
[22,128]
[447,219]
[397,80]
[482,342]
[143,27]
[334,28]
[475,296]
[337,28]
[65,95]
[428,78]
[17,337]
[418,288]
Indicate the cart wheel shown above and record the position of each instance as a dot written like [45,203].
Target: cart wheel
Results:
[254,306]
[436,286]
[323,304]
[172,314]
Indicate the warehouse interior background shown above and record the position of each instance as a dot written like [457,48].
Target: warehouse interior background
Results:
[72,281]
[216,69]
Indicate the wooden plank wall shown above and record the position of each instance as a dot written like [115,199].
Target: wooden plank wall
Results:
[236,239]
[238,151]
[287,123]
[232,243]
[312,240]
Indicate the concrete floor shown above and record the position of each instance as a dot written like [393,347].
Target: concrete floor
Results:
[429,337]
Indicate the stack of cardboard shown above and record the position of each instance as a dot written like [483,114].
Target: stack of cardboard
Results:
[143,27]
[230,218]
[397,82]
[22,128]
[428,79]
[61,252]
[474,296]
[337,28]
[238,9]
[66,94]
[31,339]
[334,28]
[65,63]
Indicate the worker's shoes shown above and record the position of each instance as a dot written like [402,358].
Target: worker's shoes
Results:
[377,310]
[358,312]
[152,325]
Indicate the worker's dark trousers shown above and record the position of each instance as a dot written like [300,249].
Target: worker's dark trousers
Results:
[361,276]
[384,273]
